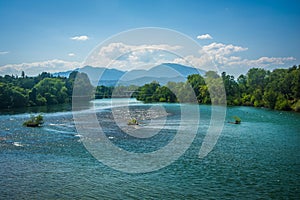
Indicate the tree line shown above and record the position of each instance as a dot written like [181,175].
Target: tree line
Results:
[44,89]
[278,89]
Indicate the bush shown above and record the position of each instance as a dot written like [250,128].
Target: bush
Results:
[296,106]
[282,103]
[34,121]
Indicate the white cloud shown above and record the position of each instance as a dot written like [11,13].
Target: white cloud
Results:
[204,37]
[117,49]
[80,38]
[126,57]
[35,68]
[212,55]
[225,57]
[262,61]
[219,55]
[3,52]
[221,49]
[71,54]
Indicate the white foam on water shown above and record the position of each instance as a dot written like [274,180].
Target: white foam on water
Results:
[78,135]
[57,124]
[17,144]
[59,131]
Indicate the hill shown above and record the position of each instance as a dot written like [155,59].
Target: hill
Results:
[162,73]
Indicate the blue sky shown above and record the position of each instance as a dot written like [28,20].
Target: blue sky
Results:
[35,31]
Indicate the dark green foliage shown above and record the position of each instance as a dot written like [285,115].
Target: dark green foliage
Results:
[231,89]
[237,120]
[164,94]
[196,81]
[270,98]
[53,89]
[12,96]
[279,89]
[41,90]
[146,92]
[103,92]
[133,121]
[296,106]
[115,92]
[34,121]
[256,79]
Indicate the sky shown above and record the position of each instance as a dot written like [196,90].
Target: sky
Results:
[58,35]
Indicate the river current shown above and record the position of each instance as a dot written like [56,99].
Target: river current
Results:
[257,159]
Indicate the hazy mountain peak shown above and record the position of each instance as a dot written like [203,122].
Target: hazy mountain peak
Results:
[163,73]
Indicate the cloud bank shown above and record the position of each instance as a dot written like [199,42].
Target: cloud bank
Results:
[35,68]
[127,57]
[224,57]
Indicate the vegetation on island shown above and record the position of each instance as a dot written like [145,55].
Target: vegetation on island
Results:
[133,121]
[237,120]
[34,121]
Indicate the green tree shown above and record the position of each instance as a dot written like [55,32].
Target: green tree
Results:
[231,89]
[196,80]
[145,93]
[23,74]
[282,103]
[270,99]
[256,79]
[53,90]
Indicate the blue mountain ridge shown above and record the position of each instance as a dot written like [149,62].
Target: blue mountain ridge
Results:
[162,73]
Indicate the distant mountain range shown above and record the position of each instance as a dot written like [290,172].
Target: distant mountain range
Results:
[162,73]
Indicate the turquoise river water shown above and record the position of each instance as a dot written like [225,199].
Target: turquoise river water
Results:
[258,159]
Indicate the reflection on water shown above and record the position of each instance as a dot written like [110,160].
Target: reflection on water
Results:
[256,159]
[38,109]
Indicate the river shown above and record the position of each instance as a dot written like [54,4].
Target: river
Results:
[257,159]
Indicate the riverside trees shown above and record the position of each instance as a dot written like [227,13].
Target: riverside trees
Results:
[43,89]
[279,89]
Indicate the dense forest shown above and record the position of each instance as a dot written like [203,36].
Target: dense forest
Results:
[43,89]
[278,89]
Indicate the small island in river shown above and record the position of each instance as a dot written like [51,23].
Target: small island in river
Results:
[35,121]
